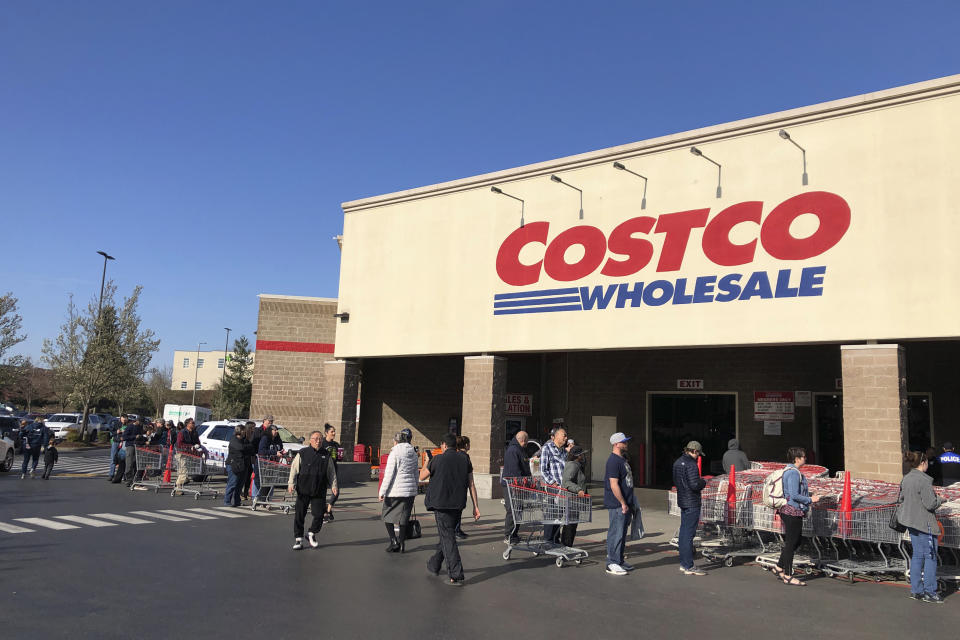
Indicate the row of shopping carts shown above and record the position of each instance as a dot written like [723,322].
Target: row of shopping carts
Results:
[158,468]
[852,541]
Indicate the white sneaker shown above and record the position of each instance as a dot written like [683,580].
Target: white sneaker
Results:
[298,544]
[617,570]
[312,539]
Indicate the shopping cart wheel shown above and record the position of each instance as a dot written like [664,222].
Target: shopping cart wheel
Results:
[506,554]
[559,562]
[286,511]
[728,561]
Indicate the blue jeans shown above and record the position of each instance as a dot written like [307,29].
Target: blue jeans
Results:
[28,454]
[231,497]
[113,454]
[923,565]
[689,517]
[617,534]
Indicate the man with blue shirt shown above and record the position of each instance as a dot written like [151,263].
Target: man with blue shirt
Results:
[620,502]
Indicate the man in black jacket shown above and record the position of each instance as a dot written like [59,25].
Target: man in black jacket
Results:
[686,477]
[450,475]
[311,474]
[515,465]
[130,435]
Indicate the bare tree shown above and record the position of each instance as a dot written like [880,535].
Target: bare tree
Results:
[158,384]
[10,325]
[101,352]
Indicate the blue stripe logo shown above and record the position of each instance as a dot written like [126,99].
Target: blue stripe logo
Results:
[542,301]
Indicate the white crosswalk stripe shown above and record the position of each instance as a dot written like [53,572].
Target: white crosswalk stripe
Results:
[98,464]
[87,521]
[49,524]
[12,528]
[124,519]
[186,514]
[222,514]
[249,512]
[159,516]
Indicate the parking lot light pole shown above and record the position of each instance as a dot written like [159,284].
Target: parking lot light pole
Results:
[195,370]
[223,373]
[103,280]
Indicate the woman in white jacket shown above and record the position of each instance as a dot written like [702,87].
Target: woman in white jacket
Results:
[398,489]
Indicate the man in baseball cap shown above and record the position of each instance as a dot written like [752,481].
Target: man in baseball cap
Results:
[686,477]
[620,502]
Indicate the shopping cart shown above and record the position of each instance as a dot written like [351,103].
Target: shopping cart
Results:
[533,502]
[195,466]
[150,468]
[729,515]
[273,474]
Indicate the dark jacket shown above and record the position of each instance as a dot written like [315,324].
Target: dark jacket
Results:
[918,503]
[238,454]
[270,446]
[515,462]
[186,439]
[131,433]
[50,456]
[734,456]
[36,435]
[313,473]
[449,481]
[687,479]
[949,468]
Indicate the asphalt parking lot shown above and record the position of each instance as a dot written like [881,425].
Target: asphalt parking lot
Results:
[163,567]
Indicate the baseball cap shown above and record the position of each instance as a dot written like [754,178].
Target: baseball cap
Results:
[693,445]
[618,437]
[268,417]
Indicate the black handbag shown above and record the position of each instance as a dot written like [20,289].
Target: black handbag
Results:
[894,520]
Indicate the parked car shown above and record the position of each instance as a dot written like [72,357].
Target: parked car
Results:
[10,428]
[59,424]
[6,454]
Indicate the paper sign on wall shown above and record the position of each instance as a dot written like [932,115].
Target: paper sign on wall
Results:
[773,405]
[771,428]
[804,398]
[518,404]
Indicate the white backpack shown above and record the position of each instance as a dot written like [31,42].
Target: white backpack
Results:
[773,489]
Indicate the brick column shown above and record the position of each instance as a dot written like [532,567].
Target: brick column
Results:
[484,393]
[341,381]
[874,410]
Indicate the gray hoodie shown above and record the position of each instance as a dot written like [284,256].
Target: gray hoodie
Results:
[735,457]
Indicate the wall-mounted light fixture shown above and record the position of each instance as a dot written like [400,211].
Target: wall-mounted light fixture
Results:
[501,192]
[786,136]
[557,179]
[643,201]
[344,317]
[699,153]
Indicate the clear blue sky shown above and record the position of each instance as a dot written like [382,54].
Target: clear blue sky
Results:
[208,145]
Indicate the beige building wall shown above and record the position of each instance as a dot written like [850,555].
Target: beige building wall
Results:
[419,268]
[208,373]
[295,336]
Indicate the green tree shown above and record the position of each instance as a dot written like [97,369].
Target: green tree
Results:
[232,397]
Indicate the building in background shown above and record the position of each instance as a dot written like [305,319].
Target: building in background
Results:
[203,371]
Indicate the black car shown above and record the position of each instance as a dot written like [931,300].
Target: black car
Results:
[10,428]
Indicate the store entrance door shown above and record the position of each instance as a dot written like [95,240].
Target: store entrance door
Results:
[919,428]
[677,418]
[828,416]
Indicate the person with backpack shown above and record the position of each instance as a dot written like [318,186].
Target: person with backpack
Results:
[796,503]
[311,474]
[918,503]
[686,477]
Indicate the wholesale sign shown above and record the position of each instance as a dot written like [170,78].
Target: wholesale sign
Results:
[626,251]
[773,406]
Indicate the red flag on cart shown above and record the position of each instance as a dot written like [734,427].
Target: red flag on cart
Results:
[732,495]
[846,505]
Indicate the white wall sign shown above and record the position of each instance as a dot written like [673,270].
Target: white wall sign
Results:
[804,398]
[773,405]
[519,404]
[689,383]
[771,428]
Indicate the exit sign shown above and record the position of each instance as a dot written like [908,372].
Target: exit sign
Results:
[689,383]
